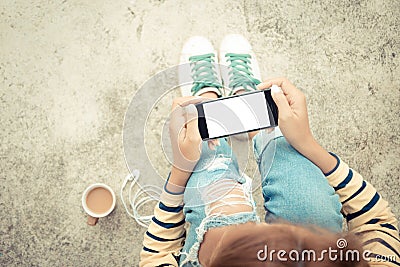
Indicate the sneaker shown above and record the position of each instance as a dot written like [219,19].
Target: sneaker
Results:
[198,68]
[239,66]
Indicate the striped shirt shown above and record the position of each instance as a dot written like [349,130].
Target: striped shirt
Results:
[165,236]
[367,215]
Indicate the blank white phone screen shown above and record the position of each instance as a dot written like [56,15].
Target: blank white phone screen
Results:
[236,114]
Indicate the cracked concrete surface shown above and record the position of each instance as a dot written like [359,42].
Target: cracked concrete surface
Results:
[68,70]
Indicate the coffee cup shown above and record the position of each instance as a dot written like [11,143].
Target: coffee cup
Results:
[98,201]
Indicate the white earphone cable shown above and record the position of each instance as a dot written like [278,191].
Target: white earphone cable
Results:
[137,201]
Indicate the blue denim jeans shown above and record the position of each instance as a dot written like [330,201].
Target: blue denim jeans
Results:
[294,190]
[214,166]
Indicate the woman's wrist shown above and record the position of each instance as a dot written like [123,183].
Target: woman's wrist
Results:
[307,144]
[318,155]
[177,181]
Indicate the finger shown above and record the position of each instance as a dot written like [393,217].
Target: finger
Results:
[182,135]
[216,142]
[285,84]
[213,143]
[186,100]
[192,132]
[282,102]
[269,82]
[177,120]
[264,85]
[194,100]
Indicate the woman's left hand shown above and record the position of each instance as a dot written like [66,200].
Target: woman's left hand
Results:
[184,133]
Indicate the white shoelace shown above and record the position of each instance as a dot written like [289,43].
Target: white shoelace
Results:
[152,193]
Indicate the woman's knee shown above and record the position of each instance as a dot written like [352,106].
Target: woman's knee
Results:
[316,209]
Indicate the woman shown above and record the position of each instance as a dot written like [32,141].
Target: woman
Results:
[307,190]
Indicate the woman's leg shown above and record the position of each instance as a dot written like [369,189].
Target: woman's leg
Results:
[215,184]
[294,189]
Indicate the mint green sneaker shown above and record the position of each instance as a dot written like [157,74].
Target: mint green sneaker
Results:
[198,69]
[239,66]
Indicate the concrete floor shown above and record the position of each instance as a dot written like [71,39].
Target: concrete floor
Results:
[68,70]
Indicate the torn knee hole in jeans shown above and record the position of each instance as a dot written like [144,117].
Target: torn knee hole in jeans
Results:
[226,197]
[226,202]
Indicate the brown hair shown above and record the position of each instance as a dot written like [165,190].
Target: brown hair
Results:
[242,245]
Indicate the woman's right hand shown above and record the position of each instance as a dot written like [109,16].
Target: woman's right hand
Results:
[292,110]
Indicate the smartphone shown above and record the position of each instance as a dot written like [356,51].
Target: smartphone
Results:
[237,114]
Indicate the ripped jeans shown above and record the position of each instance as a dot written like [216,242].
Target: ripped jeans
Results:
[294,189]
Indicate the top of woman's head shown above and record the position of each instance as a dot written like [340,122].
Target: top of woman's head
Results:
[284,244]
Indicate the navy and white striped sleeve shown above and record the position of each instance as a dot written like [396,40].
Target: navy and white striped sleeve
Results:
[368,215]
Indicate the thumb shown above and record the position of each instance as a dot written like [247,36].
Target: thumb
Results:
[281,101]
